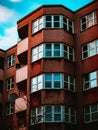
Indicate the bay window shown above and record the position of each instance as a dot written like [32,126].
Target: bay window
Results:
[53,114]
[52,21]
[52,81]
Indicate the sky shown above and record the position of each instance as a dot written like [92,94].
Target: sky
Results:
[13,10]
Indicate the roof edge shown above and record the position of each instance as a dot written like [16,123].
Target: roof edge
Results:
[40,7]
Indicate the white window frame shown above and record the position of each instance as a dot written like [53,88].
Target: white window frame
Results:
[37,53]
[67,52]
[10,83]
[53,81]
[39,82]
[90,114]
[9,108]
[53,50]
[11,60]
[92,49]
[90,20]
[70,115]
[37,25]
[44,114]
[90,80]
[36,83]
[69,83]
[68,26]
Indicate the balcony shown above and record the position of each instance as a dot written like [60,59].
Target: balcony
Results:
[21,74]
[22,46]
[1,74]
[20,104]
[22,49]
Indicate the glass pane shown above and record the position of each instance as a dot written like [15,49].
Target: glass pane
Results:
[56,77]
[65,85]
[48,84]
[83,20]
[56,18]
[86,85]
[67,110]
[56,53]
[85,54]
[48,117]
[84,26]
[70,23]
[56,84]
[72,87]
[70,29]
[92,52]
[95,116]
[56,46]
[64,20]
[48,46]
[87,118]
[56,24]
[57,117]
[87,110]
[86,78]
[67,118]
[94,108]
[93,75]
[85,48]
[48,77]
[57,109]
[48,18]
[48,53]
[48,24]
[91,45]
[93,83]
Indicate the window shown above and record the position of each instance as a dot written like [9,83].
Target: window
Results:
[90,80]
[37,25]
[90,49]
[37,83]
[53,50]
[37,53]
[69,83]
[53,21]
[88,21]
[68,25]
[91,113]
[53,114]
[11,60]
[52,81]
[70,115]
[10,83]
[69,53]
[9,108]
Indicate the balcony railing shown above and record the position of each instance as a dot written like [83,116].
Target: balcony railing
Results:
[21,74]
[22,46]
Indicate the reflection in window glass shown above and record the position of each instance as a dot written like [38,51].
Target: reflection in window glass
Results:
[90,80]
[90,49]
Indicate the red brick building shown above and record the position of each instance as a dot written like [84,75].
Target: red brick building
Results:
[53,70]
